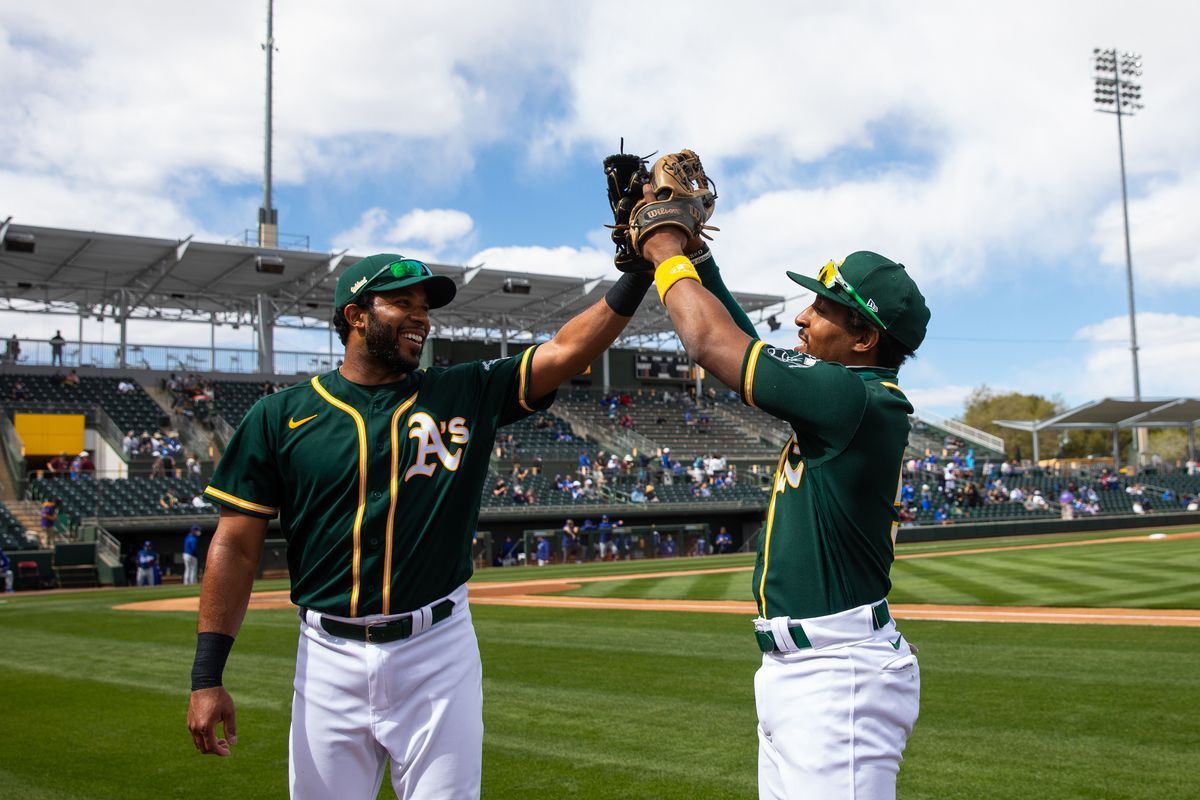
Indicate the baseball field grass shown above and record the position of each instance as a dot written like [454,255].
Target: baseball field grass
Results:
[641,704]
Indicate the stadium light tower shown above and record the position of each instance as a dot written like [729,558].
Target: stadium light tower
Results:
[268,217]
[1118,95]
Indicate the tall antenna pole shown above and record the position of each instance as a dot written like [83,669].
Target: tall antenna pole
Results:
[268,217]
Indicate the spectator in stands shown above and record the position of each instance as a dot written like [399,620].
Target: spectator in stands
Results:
[56,348]
[59,466]
[585,463]
[82,466]
[665,458]
[637,495]
[157,470]
[169,500]
[192,468]
[50,509]
[651,495]
[18,391]
[125,386]
[191,558]
[500,489]
[626,422]
[12,353]
[72,380]
[200,504]
[129,443]
[147,565]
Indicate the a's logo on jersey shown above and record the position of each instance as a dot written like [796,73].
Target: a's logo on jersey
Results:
[487,365]
[428,433]
[789,475]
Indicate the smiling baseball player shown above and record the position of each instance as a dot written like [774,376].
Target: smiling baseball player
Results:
[375,471]
[838,690]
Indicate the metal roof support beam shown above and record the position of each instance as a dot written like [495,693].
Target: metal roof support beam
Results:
[308,283]
[149,278]
[265,327]
[69,260]
[1116,451]
[123,316]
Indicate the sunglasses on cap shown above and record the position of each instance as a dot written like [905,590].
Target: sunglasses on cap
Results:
[404,268]
[830,276]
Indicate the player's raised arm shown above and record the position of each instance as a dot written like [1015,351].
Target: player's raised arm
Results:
[672,196]
[229,576]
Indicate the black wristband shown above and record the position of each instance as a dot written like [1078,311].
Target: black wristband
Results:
[626,294]
[700,256]
[212,650]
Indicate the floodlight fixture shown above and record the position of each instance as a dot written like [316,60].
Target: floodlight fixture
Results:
[1115,94]
[516,286]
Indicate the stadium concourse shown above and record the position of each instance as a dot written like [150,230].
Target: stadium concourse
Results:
[107,445]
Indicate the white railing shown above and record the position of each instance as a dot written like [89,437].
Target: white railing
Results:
[963,431]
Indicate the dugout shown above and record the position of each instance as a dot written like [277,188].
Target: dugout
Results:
[619,543]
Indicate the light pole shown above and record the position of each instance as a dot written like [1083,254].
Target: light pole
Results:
[1116,94]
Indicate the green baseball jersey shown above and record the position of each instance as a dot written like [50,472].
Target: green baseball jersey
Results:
[828,541]
[376,487]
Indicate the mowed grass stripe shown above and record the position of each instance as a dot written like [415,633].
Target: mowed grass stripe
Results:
[598,704]
[1142,574]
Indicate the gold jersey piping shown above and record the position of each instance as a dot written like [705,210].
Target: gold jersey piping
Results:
[356,561]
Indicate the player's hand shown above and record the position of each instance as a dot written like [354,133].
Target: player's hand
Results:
[206,708]
[665,242]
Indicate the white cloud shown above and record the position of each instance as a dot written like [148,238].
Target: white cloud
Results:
[1166,253]
[584,262]
[1168,347]
[436,227]
[433,234]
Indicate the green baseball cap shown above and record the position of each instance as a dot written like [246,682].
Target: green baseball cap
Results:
[384,272]
[877,287]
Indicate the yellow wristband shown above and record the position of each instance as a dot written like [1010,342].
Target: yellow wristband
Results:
[671,271]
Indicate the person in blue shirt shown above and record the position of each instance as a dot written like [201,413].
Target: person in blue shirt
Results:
[191,560]
[147,563]
[724,541]
[543,551]
[6,571]
[604,537]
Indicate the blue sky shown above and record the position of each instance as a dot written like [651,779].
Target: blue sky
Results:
[957,138]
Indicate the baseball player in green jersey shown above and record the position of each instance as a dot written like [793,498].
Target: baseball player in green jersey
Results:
[838,689]
[375,471]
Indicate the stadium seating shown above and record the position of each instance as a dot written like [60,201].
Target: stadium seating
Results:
[12,533]
[682,426]
[126,497]
[134,410]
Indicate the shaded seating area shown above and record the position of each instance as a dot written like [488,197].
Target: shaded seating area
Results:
[129,410]
[125,497]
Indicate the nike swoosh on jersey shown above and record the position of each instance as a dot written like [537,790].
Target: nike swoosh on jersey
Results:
[294,423]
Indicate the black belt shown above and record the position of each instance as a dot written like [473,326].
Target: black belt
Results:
[766,639]
[383,632]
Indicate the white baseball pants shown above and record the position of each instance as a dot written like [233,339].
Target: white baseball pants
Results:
[416,704]
[834,718]
[191,566]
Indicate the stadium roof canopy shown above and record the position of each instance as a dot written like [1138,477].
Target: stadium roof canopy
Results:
[1115,414]
[56,270]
